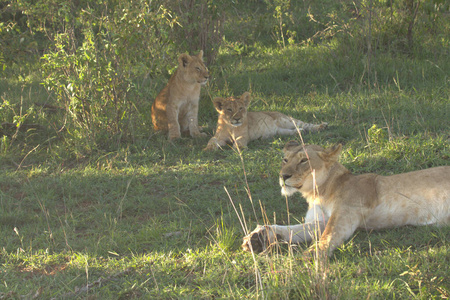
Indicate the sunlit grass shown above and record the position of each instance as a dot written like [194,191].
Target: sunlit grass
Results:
[159,219]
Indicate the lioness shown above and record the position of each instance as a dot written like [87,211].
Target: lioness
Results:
[175,109]
[340,202]
[237,126]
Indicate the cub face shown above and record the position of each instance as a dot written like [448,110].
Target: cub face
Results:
[233,110]
[193,69]
[305,168]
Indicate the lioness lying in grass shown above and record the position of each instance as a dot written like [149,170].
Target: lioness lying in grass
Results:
[340,202]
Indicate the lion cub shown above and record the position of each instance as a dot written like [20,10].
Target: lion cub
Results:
[237,126]
[340,202]
[175,109]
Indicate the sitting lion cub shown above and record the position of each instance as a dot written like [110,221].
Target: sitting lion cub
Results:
[340,202]
[237,126]
[176,107]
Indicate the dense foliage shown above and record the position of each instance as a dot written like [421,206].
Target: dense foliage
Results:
[102,61]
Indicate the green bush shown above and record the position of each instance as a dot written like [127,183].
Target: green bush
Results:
[95,62]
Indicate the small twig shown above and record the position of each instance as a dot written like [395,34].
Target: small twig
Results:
[20,165]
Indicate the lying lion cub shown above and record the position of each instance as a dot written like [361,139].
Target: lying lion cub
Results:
[340,202]
[175,109]
[237,126]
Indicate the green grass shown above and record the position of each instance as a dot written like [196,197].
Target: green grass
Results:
[156,220]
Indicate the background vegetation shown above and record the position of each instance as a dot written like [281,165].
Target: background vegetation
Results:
[94,204]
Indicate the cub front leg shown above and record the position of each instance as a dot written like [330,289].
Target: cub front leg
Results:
[194,130]
[311,127]
[192,119]
[240,142]
[172,122]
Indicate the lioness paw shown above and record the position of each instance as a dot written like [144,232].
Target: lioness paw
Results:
[259,239]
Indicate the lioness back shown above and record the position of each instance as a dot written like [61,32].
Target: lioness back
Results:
[415,198]
[175,109]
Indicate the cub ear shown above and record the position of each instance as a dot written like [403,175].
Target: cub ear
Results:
[200,55]
[184,59]
[331,154]
[218,103]
[291,146]
[247,98]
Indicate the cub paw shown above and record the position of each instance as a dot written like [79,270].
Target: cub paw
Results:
[213,144]
[316,127]
[174,137]
[259,239]
[199,135]
[322,126]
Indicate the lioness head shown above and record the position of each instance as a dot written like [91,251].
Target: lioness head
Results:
[233,110]
[305,167]
[192,68]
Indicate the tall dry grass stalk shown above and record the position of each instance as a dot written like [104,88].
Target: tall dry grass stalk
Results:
[284,267]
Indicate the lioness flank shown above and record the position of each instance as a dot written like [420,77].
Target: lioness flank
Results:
[175,109]
[237,126]
[340,202]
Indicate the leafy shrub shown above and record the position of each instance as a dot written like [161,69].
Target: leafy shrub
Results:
[95,61]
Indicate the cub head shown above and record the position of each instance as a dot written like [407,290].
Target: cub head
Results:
[233,110]
[192,68]
[305,167]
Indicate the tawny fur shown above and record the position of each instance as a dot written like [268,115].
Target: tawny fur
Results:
[340,202]
[175,109]
[237,126]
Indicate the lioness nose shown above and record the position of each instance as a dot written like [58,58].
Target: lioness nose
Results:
[286,177]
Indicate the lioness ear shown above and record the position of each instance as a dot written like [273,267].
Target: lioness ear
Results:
[200,55]
[247,98]
[218,104]
[332,153]
[184,59]
[291,146]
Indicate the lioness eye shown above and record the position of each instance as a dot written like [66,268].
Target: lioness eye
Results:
[241,109]
[229,110]
[198,69]
[303,160]
[285,160]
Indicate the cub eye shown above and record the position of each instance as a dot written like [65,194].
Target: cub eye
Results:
[198,69]
[241,109]
[303,160]
[229,110]
[285,160]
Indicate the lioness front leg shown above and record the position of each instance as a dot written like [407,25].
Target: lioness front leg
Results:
[340,227]
[263,236]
